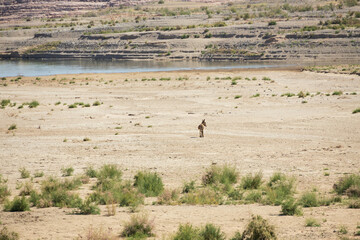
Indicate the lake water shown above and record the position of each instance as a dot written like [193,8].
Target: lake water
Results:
[11,68]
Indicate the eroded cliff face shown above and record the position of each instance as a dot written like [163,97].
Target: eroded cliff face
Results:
[157,32]
[15,9]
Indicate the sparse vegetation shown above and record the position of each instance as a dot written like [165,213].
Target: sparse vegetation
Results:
[251,182]
[349,185]
[24,173]
[312,222]
[4,190]
[356,111]
[19,204]
[258,228]
[6,234]
[138,227]
[149,183]
[12,127]
[67,171]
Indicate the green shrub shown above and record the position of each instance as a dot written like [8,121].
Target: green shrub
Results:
[354,203]
[187,232]
[4,103]
[38,174]
[252,182]
[96,103]
[349,185]
[24,173]
[56,193]
[287,94]
[110,171]
[6,234]
[309,199]
[27,188]
[66,172]
[12,127]
[237,96]
[211,232]
[188,187]
[169,197]
[259,228]
[356,111]
[149,183]
[290,207]
[17,205]
[272,23]
[224,175]
[88,207]
[343,229]
[33,104]
[4,190]
[337,93]
[254,196]
[91,172]
[139,226]
[312,222]
[279,188]
[202,197]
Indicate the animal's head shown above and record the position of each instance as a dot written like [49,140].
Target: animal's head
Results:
[203,122]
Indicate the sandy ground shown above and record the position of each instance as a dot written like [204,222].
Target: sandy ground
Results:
[159,133]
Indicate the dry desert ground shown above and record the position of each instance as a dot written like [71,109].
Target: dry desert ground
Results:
[152,126]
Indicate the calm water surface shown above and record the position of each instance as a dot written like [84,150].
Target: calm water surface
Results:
[11,68]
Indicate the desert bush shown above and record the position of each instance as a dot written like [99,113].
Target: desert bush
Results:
[290,207]
[272,23]
[4,190]
[237,96]
[288,94]
[91,172]
[211,232]
[99,233]
[224,175]
[169,197]
[337,93]
[251,182]
[110,171]
[149,183]
[235,194]
[349,185]
[116,192]
[188,187]
[254,196]
[56,193]
[309,199]
[202,197]
[4,103]
[279,188]
[24,173]
[356,111]
[255,95]
[19,204]
[354,203]
[66,172]
[88,207]
[259,228]
[6,234]
[12,127]
[96,103]
[33,104]
[26,188]
[38,174]
[187,232]
[312,222]
[343,229]
[139,226]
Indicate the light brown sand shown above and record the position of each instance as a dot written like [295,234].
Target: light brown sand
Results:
[266,133]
